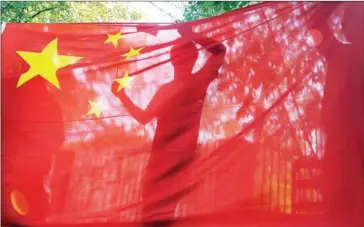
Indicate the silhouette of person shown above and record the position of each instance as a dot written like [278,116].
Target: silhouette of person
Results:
[177,106]
[342,121]
[33,130]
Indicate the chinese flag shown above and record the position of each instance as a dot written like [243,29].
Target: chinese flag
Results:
[250,117]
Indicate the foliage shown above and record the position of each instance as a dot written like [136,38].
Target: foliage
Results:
[200,9]
[51,12]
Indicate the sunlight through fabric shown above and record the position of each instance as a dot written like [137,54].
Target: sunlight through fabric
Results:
[250,118]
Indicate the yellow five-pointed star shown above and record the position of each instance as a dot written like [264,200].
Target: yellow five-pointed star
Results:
[114,38]
[132,52]
[95,109]
[124,82]
[45,64]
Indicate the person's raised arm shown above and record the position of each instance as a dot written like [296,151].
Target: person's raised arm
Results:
[217,50]
[142,116]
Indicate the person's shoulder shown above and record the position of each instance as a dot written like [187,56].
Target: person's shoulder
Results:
[165,88]
[206,71]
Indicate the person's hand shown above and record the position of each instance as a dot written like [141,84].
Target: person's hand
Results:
[185,30]
[211,45]
[120,94]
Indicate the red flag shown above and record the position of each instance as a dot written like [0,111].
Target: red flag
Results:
[254,116]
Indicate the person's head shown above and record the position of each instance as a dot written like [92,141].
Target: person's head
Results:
[183,58]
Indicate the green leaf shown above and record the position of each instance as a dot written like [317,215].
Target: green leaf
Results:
[197,10]
[50,12]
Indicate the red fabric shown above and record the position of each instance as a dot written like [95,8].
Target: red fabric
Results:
[260,120]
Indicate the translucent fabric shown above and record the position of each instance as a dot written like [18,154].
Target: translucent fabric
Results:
[251,117]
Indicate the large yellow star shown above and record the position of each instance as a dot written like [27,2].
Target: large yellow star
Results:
[95,108]
[114,38]
[45,64]
[132,52]
[124,82]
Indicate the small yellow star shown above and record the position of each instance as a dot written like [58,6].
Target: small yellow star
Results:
[132,52]
[124,81]
[45,64]
[114,38]
[95,109]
